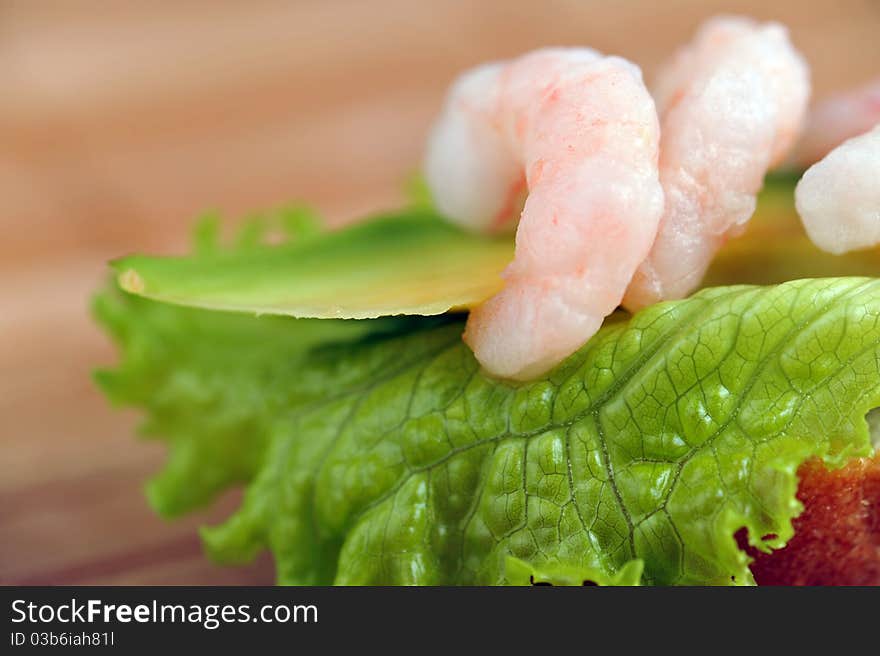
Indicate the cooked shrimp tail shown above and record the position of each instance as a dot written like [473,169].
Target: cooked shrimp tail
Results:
[581,131]
[731,104]
[838,198]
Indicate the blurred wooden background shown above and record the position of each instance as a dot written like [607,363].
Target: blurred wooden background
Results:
[119,121]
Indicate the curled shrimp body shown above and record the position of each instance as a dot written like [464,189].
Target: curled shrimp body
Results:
[731,104]
[580,132]
[838,198]
[837,119]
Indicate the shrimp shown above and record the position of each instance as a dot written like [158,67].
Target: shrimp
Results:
[579,131]
[731,104]
[837,119]
[838,198]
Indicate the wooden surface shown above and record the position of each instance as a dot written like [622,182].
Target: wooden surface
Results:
[121,120]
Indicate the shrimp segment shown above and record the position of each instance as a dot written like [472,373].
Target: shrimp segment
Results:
[731,105]
[838,198]
[583,132]
[837,119]
[469,166]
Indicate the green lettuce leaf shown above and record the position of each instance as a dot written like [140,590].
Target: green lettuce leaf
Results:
[519,572]
[207,381]
[393,459]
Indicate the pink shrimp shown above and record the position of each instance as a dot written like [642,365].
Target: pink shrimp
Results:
[837,119]
[731,104]
[582,131]
[838,198]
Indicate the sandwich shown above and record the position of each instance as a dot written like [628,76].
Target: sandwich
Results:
[616,336]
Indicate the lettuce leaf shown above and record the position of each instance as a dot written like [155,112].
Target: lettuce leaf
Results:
[391,458]
[206,381]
